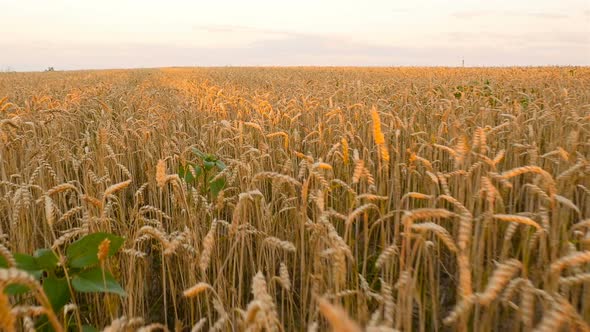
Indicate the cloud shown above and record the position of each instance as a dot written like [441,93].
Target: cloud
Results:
[299,50]
[228,28]
[497,13]
[554,38]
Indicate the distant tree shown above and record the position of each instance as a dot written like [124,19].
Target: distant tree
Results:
[50,69]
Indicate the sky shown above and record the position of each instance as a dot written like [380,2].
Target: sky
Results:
[64,34]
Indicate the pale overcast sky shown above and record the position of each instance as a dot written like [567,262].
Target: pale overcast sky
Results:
[132,33]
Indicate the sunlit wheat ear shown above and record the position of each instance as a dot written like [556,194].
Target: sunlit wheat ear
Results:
[461,150]
[282,178]
[61,188]
[49,211]
[566,202]
[337,317]
[378,136]
[517,219]
[279,244]
[371,197]
[480,140]
[268,308]
[92,201]
[528,304]
[284,278]
[445,148]
[532,169]
[386,255]
[168,247]
[512,288]
[345,152]
[358,211]
[199,325]
[489,191]
[415,195]
[465,279]
[161,173]
[7,319]
[7,255]
[208,244]
[499,156]
[554,319]
[439,231]
[425,213]
[250,316]
[196,289]
[570,260]
[359,168]
[28,324]
[571,172]
[416,158]
[322,165]
[115,188]
[15,276]
[282,134]
[103,250]
[575,279]
[461,309]
[499,279]
[442,180]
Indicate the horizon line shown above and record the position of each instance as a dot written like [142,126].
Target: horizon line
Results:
[8,70]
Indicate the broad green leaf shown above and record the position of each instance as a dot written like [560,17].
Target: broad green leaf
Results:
[26,262]
[210,157]
[198,170]
[46,259]
[83,253]
[57,291]
[92,281]
[216,186]
[15,289]
[181,171]
[186,173]
[208,164]
[198,153]
[220,165]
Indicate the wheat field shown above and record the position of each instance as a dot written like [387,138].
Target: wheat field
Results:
[302,199]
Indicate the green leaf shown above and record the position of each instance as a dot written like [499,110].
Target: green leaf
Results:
[208,165]
[198,153]
[83,253]
[3,262]
[92,280]
[29,264]
[42,325]
[16,289]
[57,291]
[186,173]
[26,262]
[181,171]
[89,328]
[216,186]
[46,259]
[220,165]
[198,170]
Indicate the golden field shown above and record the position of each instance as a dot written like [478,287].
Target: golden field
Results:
[290,199]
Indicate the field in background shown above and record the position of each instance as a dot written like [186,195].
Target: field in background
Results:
[301,198]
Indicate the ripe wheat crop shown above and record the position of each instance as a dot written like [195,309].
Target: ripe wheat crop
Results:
[293,199]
